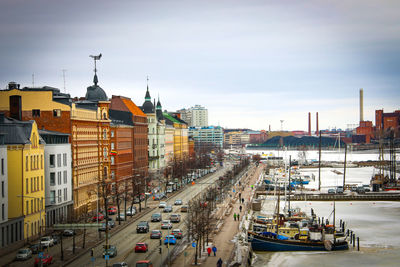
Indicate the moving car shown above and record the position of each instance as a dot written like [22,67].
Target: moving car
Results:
[175,218]
[156,217]
[110,251]
[103,228]
[178,202]
[170,239]
[144,263]
[155,234]
[98,216]
[367,188]
[142,227]
[120,217]
[111,222]
[23,254]
[184,208]
[168,208]
[166,224]
[120,264]
[360,190]
[339,190]
[162,204]
[46,260]
[331,191]
[141,247]
[131,211]
[47,241]
[34,248]
[68,232]
[177,233]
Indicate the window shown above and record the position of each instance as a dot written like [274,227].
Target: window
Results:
[52,178]
[31,205]
[104,134]
[34,205]
[112,160]
[65,177]
[2,188]
[59,195]
[27,206]
[31,184]
[58,160]
[113,175]
[41,161]
[112,145]
[41,181]
[27,164]
[3,215]
[2,166]
[27,185]
[105,153]
[59,177]
[56,112]
[65,194]
[112,133]
[35,112]
[32,163]
[52,161]
[52,197]
[64,159]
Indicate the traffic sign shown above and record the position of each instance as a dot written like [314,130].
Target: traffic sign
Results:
[106,257]
[194,244]
[40,255]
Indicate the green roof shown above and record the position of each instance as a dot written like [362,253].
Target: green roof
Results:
[171,118]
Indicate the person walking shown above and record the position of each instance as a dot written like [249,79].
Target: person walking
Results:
[214,249]
[219,263]
[234,216]
[240,208]
[209,251]
[240,196]
[242,200]
[238,216]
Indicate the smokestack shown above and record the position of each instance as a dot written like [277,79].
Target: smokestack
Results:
[309,123]
[361,104]
[317,131]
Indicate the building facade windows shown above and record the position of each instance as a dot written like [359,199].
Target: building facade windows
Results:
[59,177]
[64,159]
[52,197]
[35,112]
[52,178]
[65,177]
[52,161]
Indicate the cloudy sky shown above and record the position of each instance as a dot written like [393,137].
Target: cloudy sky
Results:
[251,63]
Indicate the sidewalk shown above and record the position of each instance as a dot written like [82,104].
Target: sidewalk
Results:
[223,239]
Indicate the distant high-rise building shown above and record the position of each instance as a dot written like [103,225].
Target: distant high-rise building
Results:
[196,116]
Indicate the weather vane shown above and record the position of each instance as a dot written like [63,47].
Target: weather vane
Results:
[95,80]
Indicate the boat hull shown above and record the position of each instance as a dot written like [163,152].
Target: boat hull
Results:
[259,243]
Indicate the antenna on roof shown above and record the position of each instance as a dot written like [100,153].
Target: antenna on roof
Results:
[65,90]
[33,80]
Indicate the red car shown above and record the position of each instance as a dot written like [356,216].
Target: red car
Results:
[141,247]
[46,260]
[100,216]
[112,210]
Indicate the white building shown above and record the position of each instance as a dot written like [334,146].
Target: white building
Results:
[211,136]
[58,177]
[196,116]
[3,197]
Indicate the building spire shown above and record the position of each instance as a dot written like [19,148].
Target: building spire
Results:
[95,79]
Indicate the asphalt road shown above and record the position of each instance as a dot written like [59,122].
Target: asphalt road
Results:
[126,239]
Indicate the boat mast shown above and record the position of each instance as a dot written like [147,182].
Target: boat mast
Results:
[277,209]
[319,162]
[345,160]
[290,163]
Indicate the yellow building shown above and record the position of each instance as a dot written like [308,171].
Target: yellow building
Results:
[169,143]
[181,137]
[26,194]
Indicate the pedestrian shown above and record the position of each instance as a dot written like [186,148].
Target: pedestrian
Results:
[240,183]
[234,216]
[209,251]
[214,249]
[238,216]
[240,195]
[240,208]
[219,263]
[242,200]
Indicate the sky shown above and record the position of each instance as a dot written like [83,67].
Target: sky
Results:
[251,63]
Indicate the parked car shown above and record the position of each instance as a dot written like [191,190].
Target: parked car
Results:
[156,217]
[111,222]
[170,239]
[178,202]
[155,234]
[175,218]
[168,208]
[68,232]
[360,190]
[110,251]
[339,190]
[34,248]
[177,233]
[162,204]
[56,238]
[166,224]
[100,216]
[159,196]
[331,191]
[141,247]
[142,227]
[120,217]
[184,208]
[47,241]
[169,190]
[144,263]
[23,254]
[131,211]
[120,264]
[46,260]
[112,210]
[353,189]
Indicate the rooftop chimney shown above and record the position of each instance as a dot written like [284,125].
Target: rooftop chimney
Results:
[361,104]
